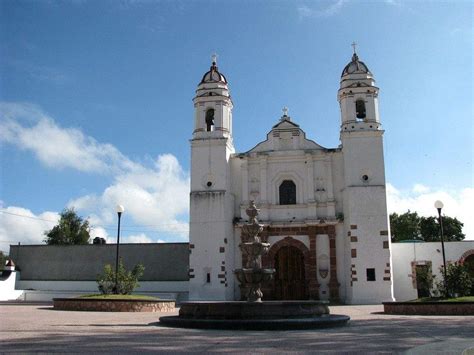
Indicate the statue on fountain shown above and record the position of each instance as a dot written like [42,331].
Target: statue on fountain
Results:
[252,276]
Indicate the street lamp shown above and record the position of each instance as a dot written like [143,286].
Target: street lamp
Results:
[120,209]
[439,205]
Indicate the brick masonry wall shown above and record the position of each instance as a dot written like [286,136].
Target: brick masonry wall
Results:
[430,308]
[74,304]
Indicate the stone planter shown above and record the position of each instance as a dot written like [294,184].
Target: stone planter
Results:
[113,305]
[430,308]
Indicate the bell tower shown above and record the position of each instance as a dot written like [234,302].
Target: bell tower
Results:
[366,228]
[211,202]
[213,106]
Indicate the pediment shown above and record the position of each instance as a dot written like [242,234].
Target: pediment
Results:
[285,136]
[285,123]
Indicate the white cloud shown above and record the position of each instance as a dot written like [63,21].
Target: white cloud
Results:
[421,199]
[138,238]
[142,238]
[153,198]
[156,197]
[332,9]
[420,189]
[19,224]
[28,128]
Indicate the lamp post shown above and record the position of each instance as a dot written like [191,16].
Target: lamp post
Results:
[120,209]
[439,205]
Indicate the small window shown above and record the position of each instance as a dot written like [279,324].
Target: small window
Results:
[287,193]
[370,274]
[208,277]
[360,109]
[210,120]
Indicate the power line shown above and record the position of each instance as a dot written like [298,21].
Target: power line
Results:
[106,226]
[113,228]
[29,217]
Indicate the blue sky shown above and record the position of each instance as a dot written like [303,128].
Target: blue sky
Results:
[96,100]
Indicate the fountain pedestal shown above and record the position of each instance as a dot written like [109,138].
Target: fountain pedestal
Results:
[252,276]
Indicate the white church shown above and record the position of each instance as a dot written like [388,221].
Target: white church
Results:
[324,212]
[324,209]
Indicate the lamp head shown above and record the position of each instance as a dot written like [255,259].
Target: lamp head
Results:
[438,204]
[120,209]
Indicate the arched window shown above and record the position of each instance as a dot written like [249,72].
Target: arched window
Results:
[360,109]
[209,119]
[287,193]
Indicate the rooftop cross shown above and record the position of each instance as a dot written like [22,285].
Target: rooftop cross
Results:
[354,46]
[285,111]
[214,58]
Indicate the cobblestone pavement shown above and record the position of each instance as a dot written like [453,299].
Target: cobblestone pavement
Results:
[39,328]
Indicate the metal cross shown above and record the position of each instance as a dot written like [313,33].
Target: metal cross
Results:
[354,46]
[285,111]
[214,58]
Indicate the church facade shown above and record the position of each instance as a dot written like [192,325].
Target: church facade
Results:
[324,210]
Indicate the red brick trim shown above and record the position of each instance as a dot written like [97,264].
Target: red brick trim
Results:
[309,255]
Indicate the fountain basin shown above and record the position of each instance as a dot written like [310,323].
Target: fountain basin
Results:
[253,310]
[253,276]
[268,315]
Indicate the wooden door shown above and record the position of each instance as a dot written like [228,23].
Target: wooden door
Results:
[290,281]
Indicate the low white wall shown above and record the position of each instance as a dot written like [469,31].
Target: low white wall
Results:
[403,254]
[7,288]
[91,286]
[47,290]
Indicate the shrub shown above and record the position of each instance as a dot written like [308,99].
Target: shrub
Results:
[458,281]
[127,281]
[425,279]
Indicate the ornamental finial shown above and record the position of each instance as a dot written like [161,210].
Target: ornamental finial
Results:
[214,58]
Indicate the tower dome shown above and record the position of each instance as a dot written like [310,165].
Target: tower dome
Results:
[355,66]
[213,75]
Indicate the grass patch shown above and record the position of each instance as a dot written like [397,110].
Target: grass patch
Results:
[99,296]
[445,300]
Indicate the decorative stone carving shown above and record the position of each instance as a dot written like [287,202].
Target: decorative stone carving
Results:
[252,276]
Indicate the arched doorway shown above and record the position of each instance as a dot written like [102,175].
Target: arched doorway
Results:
[289,281]
[469,262]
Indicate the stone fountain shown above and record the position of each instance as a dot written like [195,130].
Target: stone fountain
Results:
[254,313]
[252,276]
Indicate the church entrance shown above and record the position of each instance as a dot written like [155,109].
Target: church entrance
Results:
[289,281]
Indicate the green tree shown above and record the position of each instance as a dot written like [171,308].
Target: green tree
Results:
[70,230]
[410,226]
[430,230]
[3,260]
[405,226]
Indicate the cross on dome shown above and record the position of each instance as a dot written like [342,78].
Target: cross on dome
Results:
[354,46]
[214,58]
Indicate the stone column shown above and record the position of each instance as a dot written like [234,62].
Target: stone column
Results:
[333,283]
[263,180]
[310,178]
[313,287]
[245,183]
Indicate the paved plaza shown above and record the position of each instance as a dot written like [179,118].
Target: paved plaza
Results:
[39,328]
